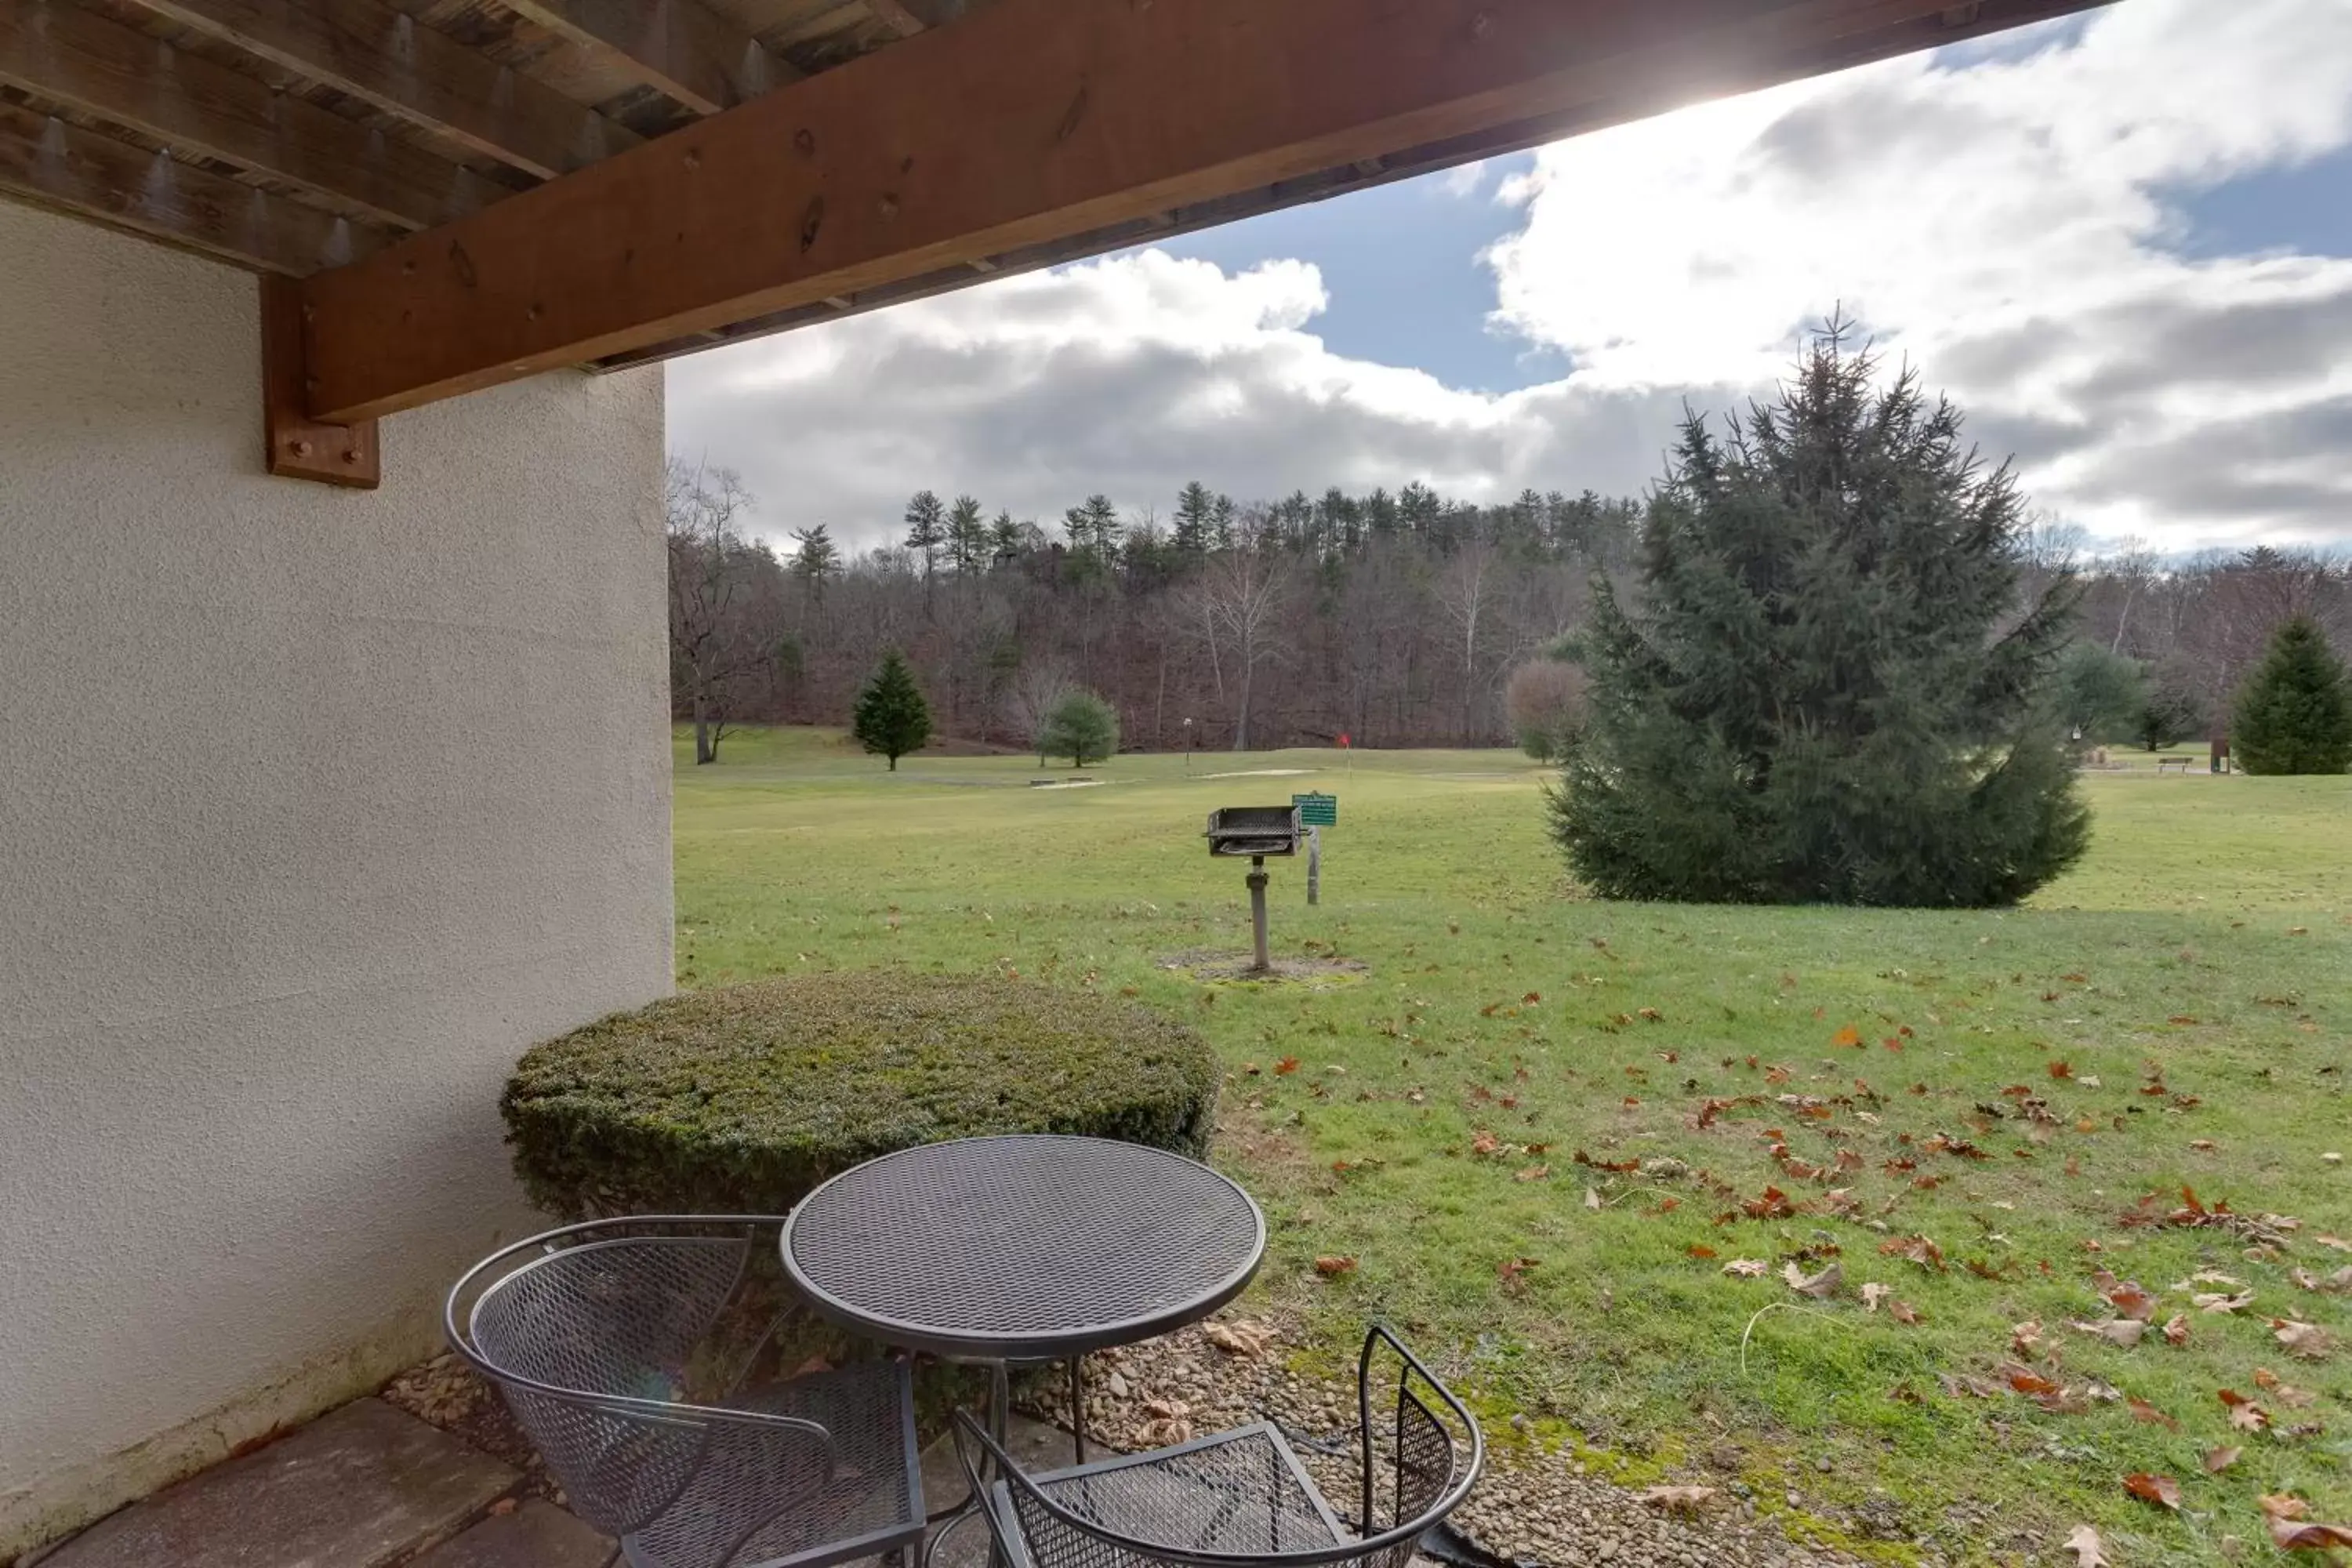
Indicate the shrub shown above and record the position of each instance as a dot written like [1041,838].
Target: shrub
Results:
[2102,695]
[2174,710]
[2295,713]
[741,1099]
[1081,725]
[1544,699]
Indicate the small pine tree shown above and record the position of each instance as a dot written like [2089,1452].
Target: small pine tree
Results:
[2294,714]
[1195,519]
[892,718]
[967,535]
[1828,690]
[1080,726]
[816,558]
[927,527]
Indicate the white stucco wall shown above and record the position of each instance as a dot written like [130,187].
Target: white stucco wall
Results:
[316,808]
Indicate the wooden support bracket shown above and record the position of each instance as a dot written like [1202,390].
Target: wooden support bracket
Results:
[299,447]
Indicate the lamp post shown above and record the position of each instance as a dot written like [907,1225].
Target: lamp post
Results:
[1187,745]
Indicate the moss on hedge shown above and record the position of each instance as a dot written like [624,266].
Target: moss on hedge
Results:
[740,1099]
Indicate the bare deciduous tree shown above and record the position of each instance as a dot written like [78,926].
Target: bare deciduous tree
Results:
[715,574]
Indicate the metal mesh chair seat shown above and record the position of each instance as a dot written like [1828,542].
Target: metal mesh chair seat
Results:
[1243,1492]
[599,1337]
[1244,1497]
[748,1503]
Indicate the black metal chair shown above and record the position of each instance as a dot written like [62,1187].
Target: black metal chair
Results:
[594,1334]
[1243,1497]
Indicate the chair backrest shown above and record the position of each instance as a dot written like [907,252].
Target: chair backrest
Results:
[588,1333]
[1420,1454]
[1419,1448]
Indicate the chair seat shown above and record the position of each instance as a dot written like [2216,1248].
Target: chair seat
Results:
[742,1509]
[1238,1491]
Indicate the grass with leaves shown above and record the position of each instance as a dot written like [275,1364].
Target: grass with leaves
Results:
[1542,1126]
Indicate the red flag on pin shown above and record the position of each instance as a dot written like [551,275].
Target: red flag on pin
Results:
[1343,740]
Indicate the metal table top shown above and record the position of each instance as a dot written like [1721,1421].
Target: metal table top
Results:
[1020,1248]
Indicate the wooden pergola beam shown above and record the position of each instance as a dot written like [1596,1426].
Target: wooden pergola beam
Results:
[894,15]
[388,59]
[680,48]
[81,60]
[47,160]
[1025,124]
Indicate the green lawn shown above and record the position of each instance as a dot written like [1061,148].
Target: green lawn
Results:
[1432,1124]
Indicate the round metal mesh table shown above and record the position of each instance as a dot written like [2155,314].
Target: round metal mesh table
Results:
[1024,1248]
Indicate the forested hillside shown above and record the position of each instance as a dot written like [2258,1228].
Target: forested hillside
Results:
[1394,617]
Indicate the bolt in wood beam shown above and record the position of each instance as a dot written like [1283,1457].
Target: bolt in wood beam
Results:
[680,48]
[82,61]
[50,163]
[388,59]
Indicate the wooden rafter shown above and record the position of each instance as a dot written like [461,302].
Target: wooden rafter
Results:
[894,15]
[388,59]
[81,60]
[680,48]
[1026,124]
[45,160]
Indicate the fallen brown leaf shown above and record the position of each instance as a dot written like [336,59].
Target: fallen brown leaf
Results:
[1331,1267]
[2285,1513]
[2219,1303]
[1679,1499]
[1903,1311]
[2162,1491]
[1747,1268]
[2308,1341]
[2124,1331]
[2142,1411]
[1248,1340]
[1873,1293]
[2220,1459]
[2083,1543]
[1820,1287]
[2176,1328]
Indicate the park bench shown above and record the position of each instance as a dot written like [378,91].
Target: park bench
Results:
[2180,763]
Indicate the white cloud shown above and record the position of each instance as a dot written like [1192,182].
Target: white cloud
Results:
[1130,375]
[2011,228]
[2005,218]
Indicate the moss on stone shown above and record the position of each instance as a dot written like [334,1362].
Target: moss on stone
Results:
[741,1099]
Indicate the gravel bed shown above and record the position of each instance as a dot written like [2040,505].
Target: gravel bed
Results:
[1530,1507]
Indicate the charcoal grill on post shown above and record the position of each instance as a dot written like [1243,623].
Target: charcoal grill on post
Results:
[1257,831]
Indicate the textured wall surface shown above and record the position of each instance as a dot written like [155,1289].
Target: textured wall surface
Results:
[313,817]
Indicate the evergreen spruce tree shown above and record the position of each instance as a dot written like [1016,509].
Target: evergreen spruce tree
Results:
[892,718]
[2294,715]
[1827,689]
[1080,726]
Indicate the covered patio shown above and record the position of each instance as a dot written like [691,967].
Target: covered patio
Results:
[306,834]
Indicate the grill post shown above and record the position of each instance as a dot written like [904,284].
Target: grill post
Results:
[1314,865]
[1257,911]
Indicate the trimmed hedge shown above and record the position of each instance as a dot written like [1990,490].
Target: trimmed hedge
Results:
[740,1099]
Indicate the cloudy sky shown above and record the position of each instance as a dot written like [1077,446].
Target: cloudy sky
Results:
[2123,242]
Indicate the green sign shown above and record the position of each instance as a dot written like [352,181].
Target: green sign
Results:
[1317,810]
